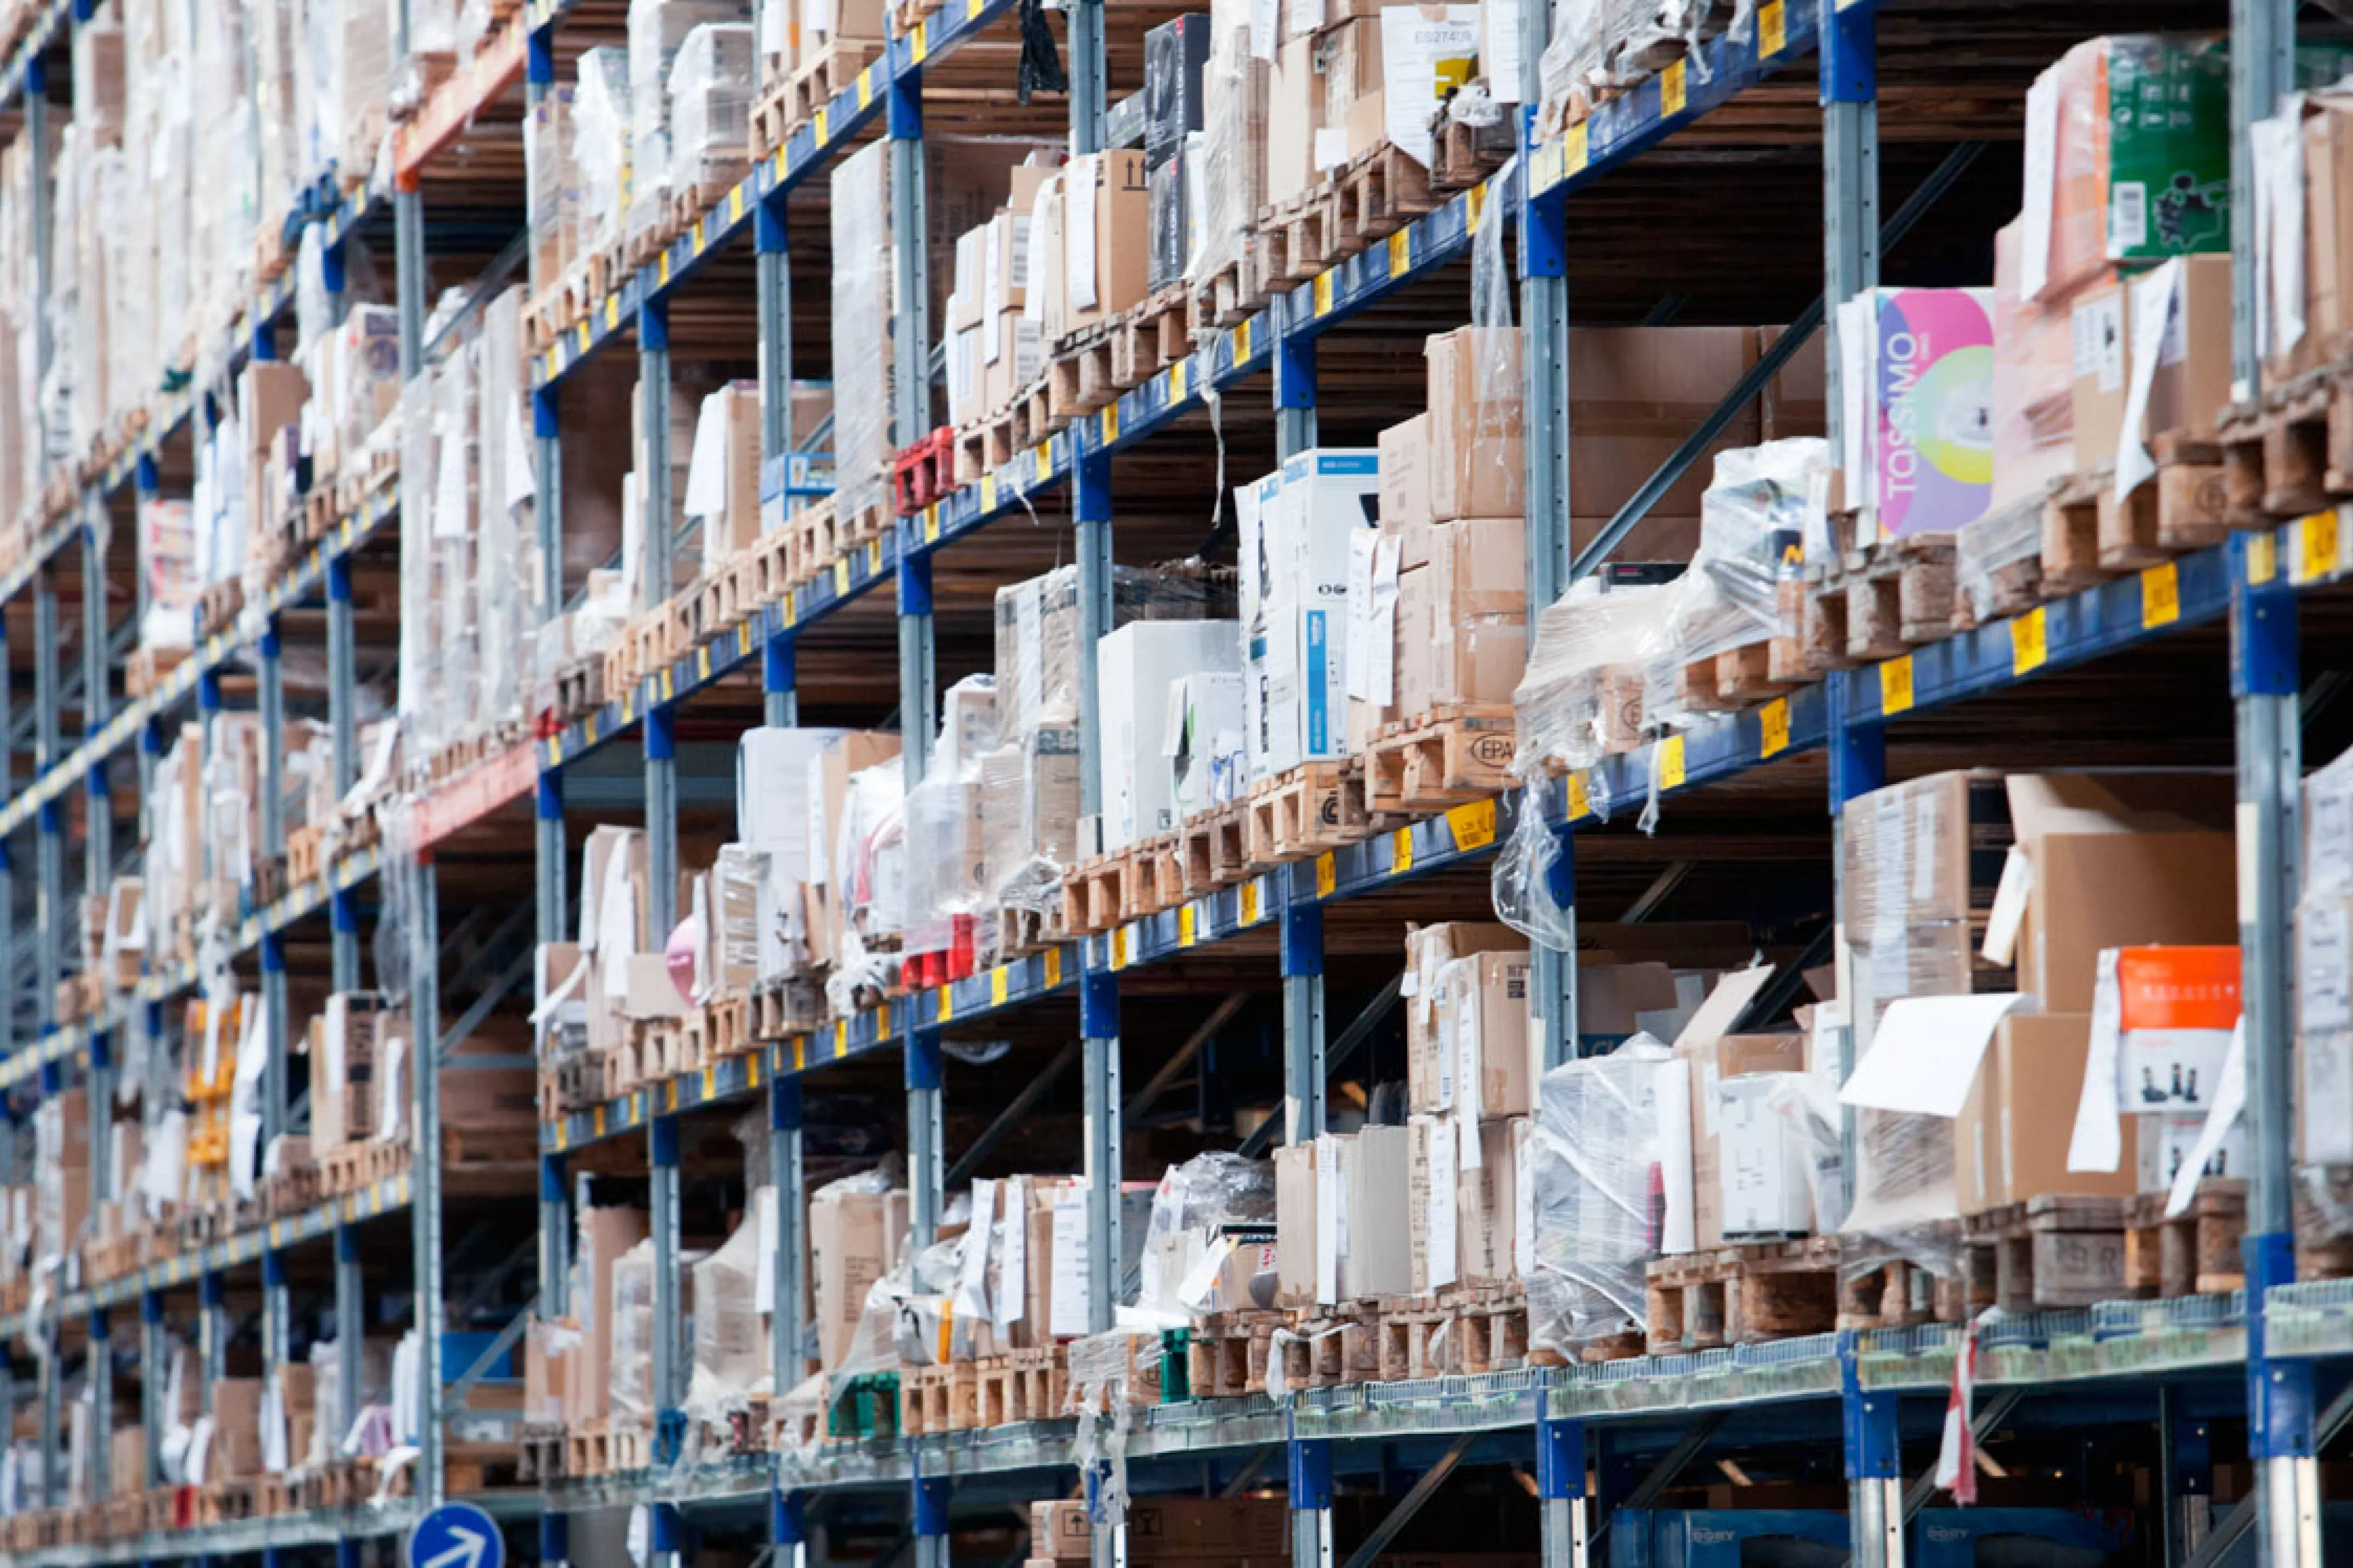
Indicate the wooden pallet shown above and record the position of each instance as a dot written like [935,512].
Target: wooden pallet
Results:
[579,687]
[1312,807]
[1231,292]
[225,1502]
[1213,848]
[652,1053]
[1379,193]
[2194,1253]
[1150,337]
[146,669]
[2051,1251]
[585,1079]
[984,447]
[1079,374]
[935,1399]
[1416,1334]
[1024,1385]
[1461,155]
[720,1027]
[814,84]
[1742,1295]
[353,1167]
[1227,1352]
[1457,752]
[1887,597]
[771,566]
[304,859]
[2289,454]
[785,1007]
[219,605]
[1095,893]
[1301,235]
[1326,1347]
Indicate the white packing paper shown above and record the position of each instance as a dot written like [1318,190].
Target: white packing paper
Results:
[2097,1141]
[1924,1054]
[2156,296]
[2230,1098]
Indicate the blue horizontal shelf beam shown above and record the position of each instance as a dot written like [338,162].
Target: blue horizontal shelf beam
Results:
[872,1030]
[71,1044]
[809,149]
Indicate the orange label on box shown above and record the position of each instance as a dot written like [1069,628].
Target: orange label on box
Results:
[2177,987]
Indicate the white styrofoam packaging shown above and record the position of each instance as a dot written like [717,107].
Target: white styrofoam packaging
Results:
[774,813]
[1135,667]
[1760,1161]
[1201,747]
[1295,528]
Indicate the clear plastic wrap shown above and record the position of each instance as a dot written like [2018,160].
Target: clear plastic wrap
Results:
[631,1368]
[1228,181]
[600,147]
[1526,884]
[870,877]
[862,315]
[1599,47]
[1581,699]
[658,31]
[712,85]
[1753,521]
[1191,1211]
[946,857]
[732,1366]
[1601,1156]
[550,151]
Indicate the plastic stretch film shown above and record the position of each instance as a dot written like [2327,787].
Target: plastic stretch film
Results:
[1581,699]
[1602,1157]
[862,314]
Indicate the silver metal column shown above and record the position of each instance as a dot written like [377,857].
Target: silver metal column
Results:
[350,1326]
[668,1305]
[788,1345]
[154,1358]
[55,923]
[425,1190]
[274,1096]
[97,823]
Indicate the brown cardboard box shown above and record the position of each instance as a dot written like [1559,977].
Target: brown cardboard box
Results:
[127,1460]
[1161,1530]
[2011,1138]
[2118,860]
[1020,358]
[1354,103]
[1476,466]
[2327,235]
[1612,997]
[1432,1253]
[602,1236]
[1487,1206]
[854,1240]
[1404,451]
[2192,381]
[1378,1259]
[1486,1003]
[2100,326]
[1294,108]
[1114,183]
[270,398]
[237,1428]
[1429,950]
[1461,613]
[1711,1061]
[1294,1218]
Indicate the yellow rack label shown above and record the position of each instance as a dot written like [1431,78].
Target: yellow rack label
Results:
[1327,874]
[1110,423]
[1177,381]
[822,128]
[841,573]
[1670,762]
[2316,554]
[1241,339]
[1043,457]
[2160,595]
[920,44]
[1573,151]
[1184,926]
[988,499]
[1053,969]
[1472,823]
[1119,947]
[1401,252]
[997,986]
[1672,93]
[1246,904]
[1324,293]
[1400,851]
[2030,641]
[2262,556]
[1772,29]
[947,1004]
[1579,803]
[1773,728]
[1895,685]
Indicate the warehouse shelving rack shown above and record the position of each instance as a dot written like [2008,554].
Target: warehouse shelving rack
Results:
[2181,1353]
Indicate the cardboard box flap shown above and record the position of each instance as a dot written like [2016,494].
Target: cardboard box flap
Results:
[2042,805]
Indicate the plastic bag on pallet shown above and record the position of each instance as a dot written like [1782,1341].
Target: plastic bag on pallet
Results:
[732,1365]
[1191,1233]
[1754,520]
[1581,699]
[1610,1168]
[711,84]
[862,315]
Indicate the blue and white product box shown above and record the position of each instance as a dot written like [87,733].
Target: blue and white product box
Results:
[1295,527]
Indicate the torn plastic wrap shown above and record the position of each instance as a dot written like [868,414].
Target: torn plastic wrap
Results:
[1581,699]
[1526,884]
[1744,580]
[1601,47]
[862,315]
[1603,1163]
[1189,1233]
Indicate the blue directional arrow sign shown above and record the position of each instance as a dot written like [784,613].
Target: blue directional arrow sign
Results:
[455,1535]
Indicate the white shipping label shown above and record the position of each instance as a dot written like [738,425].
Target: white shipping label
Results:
[1079,231]
[1327,1220]
[2155,297]
[1070,1274]
[1010,1299]
[2042,185]
[2096,329]
[1424,58]
[1444,1245]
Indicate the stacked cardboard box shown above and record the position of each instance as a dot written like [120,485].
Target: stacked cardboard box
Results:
[994,338]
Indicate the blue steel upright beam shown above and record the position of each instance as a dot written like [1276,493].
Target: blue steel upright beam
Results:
[1098,987]
[655,541]
[274,1097]
[153,1357]
[669,1307]
[1302,914]
[98,807]
[343,757]
[1874,1465]
[787,1323]
[48,748]
[1560,1491]
[99,1361]
[1310,1474]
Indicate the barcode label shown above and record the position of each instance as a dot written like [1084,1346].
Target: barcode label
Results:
[2127,216]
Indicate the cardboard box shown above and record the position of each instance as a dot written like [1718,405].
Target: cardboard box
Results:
[829,773]
[1484,1008]
[2327,138]
[1164,1530]
[1295,527]
[1916,380]
[1137,664]
[1404,453]
[550,1369]
[2102,357]
[1106,232]
[602,1236]
[1013,356]
[1476,464]
[1460,632]
[854,1240]
[1172,228]
[2011,1138]
[1175,53]
[1295,111]
[2189,380]
[1745,1158]
[1294,1218]
[1433,1222]
[1377,1258]
[1430,950]
[1487,1201]
[1202,748]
